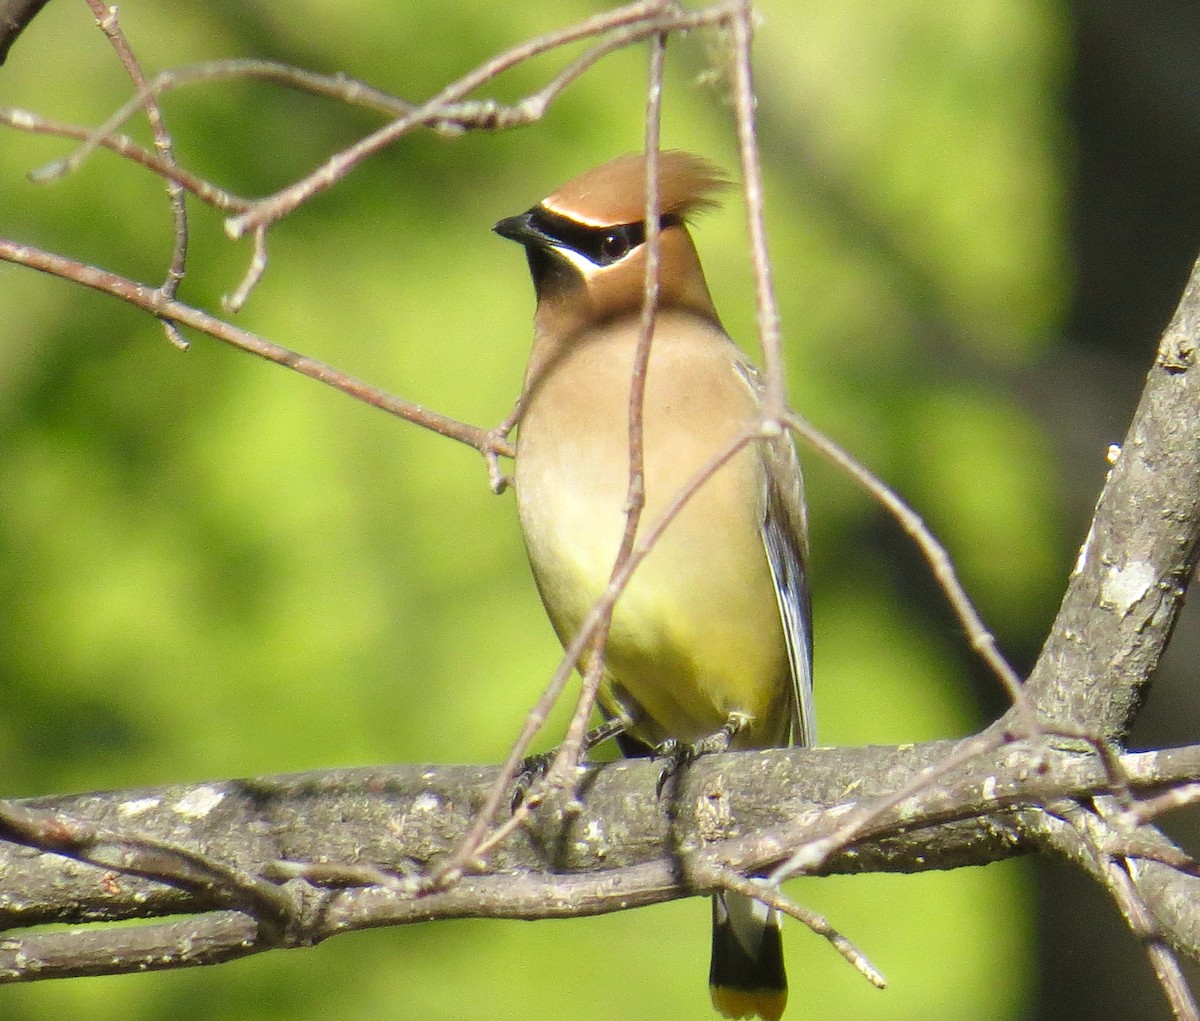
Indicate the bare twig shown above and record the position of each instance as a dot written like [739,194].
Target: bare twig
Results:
[635,498]
[152,300]
[498,438]
[775,397]
[106,19]
[1162,958]
[1117,875]
[772,896]
[812,856]
[210,194]
[347,90]
[258,266]
[1142,812]
[637,21]
[981,639]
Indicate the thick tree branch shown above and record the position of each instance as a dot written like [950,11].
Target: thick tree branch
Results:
[1141,551]
[624,848]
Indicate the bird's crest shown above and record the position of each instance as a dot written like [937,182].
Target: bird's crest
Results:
[615,192]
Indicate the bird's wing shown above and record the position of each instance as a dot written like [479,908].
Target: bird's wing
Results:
[785,538]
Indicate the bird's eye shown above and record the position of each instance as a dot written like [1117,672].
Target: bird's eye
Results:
[614,246]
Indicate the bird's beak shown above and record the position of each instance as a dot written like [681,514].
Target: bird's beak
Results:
[524,230]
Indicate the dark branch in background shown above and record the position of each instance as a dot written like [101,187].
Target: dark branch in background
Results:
[14,16]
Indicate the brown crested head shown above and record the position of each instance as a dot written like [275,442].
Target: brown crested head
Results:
[586,241]
[615,192]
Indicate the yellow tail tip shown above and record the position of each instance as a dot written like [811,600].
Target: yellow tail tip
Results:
[767,1004]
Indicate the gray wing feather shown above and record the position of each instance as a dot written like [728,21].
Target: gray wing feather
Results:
[785,539]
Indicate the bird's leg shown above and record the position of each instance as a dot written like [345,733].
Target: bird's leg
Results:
[680,754]
[536,766]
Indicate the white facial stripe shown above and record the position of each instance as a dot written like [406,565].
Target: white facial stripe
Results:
[580,262]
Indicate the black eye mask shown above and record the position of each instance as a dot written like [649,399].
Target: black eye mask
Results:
[601,246]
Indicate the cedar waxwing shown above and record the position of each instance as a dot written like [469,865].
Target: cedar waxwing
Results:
[712,637]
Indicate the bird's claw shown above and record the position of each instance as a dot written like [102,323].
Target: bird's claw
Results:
[532,769]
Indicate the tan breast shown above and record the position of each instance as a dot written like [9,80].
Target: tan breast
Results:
[697,634]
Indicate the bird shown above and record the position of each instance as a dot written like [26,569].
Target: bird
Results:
[710,643]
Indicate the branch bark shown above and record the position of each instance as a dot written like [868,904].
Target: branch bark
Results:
[1141,551]
[348,847]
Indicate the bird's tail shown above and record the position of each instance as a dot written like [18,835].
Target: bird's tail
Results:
[747,978]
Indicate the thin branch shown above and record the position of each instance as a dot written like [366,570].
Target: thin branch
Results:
[340,87]
[767,310]
[635,497]
[127,148]
[981,639]
[812,856]
[498,445]
[1162,959]
[151,300]
[629,24]
[1117,876]
[769,894]
[106,19]
[1180,797]
[254,272]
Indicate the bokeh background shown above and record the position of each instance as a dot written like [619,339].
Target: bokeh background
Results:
[981,213]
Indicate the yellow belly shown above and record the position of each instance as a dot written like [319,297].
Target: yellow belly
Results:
[696,635]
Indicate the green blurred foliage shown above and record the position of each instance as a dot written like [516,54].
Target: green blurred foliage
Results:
[211,567]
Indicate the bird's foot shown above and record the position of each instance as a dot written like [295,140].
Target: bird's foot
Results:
[532,769]
[680,754]
[535,767]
